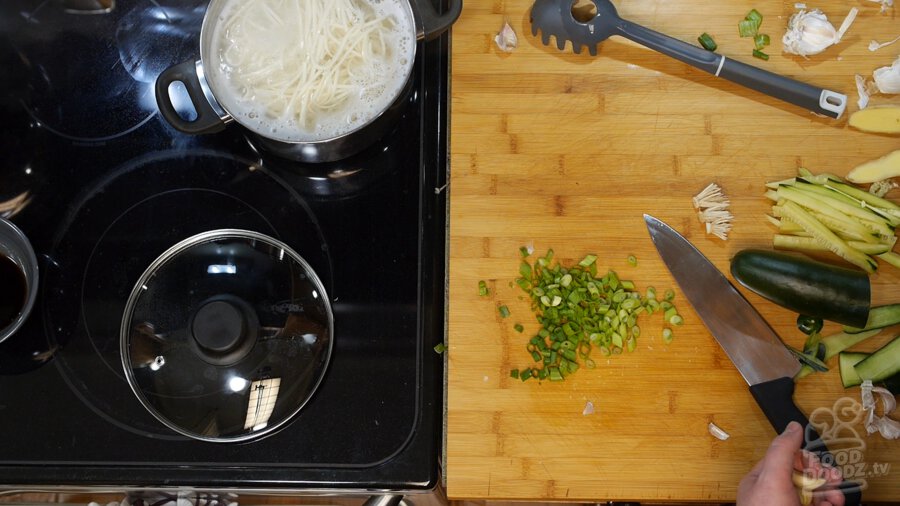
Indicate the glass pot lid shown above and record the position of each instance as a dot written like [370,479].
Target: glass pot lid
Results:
[226,335]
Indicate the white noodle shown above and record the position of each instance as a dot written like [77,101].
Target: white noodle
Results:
[300,62]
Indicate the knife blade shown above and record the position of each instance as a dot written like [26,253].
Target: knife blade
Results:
[748,340]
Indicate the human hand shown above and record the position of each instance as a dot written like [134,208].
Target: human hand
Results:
[769,483]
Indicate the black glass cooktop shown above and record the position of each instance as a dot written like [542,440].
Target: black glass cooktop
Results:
[102,186]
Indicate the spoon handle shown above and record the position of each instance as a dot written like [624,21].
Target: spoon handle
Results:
[812,98]
[820,101]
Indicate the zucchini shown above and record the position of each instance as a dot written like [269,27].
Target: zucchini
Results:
[798,215]
[808,360]
[846,361]
[879,318]
[882,364]
[836,343]
[804,285]
[893,384]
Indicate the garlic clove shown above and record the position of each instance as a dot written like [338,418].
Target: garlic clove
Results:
[887,79]
[809,32]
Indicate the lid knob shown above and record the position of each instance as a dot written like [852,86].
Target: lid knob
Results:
[218,326]
[224,329]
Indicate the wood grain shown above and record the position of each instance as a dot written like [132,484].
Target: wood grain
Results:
[567,151]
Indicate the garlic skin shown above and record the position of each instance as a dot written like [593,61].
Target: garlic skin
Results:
[506,40]
[887,79]
[809,33]
[885,4]
[862,91]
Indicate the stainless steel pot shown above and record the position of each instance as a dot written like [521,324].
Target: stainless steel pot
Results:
[17,250]
[212,116]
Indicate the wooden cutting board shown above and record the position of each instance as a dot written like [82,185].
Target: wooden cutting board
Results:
[564,151]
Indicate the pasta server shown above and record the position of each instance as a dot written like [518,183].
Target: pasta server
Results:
[555,18]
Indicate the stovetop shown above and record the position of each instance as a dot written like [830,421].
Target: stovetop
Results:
[101,185]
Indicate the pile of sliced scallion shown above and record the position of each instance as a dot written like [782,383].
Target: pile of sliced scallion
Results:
[580,312]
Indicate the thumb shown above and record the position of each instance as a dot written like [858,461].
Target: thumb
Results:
[779,459]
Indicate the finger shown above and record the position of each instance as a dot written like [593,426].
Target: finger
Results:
[779,459]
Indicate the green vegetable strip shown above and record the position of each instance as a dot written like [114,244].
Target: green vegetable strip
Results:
[482,288]
[761,40]
[843,226]
[837,201]
[759,54]
[837,245]
[817,206]
[793,242]
[504,311]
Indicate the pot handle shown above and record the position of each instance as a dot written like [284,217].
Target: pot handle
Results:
[435,24]
[208,120]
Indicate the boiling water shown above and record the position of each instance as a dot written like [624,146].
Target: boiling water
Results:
[13,289]
[284,69]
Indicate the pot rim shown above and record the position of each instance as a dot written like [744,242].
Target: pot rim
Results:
[21,247]
[207,29]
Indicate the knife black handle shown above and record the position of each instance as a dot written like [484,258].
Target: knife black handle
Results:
[776,398]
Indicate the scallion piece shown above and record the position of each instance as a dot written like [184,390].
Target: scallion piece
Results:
[707,42]
[519,328]
[588,260]
[482,288]
[667,335]
[755,17]
[759,54]
[747,28]
[440,348]
[632,260]
[761,40]
[514,373]
[504,311]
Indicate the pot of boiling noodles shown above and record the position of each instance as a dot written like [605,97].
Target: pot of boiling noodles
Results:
[314,80]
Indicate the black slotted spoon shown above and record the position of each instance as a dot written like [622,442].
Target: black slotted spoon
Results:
[555,18]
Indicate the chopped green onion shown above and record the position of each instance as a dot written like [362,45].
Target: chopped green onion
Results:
[524,251]
[632,260]
[755,17]
[579,310]
[525,374]
[504,311]
[514,373]
[747,28]
[667,335]
[670,294]
[525,271]
[482,288]
[676,320]
[440,348]
[761,40]
[759,54]
[707,42]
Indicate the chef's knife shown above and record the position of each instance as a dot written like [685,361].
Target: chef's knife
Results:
[760,356]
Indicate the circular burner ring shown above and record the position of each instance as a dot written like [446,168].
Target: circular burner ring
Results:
[120,226]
